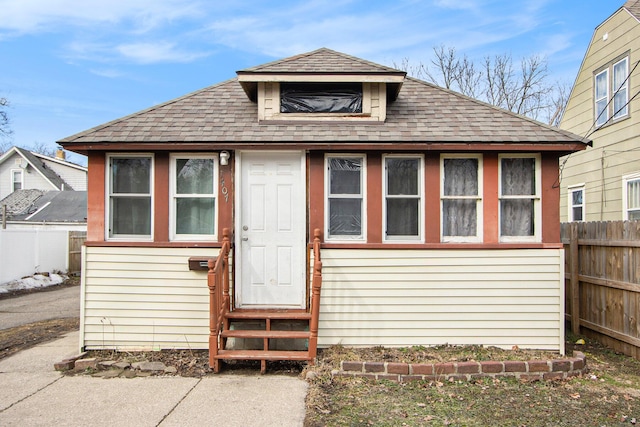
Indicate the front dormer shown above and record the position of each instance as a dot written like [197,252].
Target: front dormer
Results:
[340,90]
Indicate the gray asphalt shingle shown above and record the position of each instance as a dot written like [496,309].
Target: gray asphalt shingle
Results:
[422,113]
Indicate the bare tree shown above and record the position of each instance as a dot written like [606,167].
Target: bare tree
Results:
[523,90]
[43,148]
[5,130]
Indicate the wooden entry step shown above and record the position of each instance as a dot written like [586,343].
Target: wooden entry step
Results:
[268,314]
[262,355]
[265,335]
[259,333]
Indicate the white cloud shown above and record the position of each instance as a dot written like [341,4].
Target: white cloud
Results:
[147,53]
[32,16]
[107,72]
[457,4]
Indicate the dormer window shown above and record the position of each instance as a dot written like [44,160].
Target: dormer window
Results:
[343,98]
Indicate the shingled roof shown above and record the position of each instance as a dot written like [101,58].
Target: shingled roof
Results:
[223,114]
[633,6]
[322,61]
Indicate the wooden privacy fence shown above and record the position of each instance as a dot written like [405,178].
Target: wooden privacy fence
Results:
[76,240]
[602,283]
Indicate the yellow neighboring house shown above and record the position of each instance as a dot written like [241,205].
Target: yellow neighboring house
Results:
[602,183]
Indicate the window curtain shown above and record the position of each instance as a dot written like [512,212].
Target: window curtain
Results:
[517,214]
[195,215]
[459,215]
[633,199]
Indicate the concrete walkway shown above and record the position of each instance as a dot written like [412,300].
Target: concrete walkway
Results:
[34,394]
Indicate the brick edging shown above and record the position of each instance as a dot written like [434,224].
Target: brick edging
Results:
[532,370]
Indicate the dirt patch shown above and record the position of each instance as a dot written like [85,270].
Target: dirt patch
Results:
[23,337]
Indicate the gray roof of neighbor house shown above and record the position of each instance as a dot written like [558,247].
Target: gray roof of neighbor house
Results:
[223,114]
[54,206]
[19,201]
[633,6]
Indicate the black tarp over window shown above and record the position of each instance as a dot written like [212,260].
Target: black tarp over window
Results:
[321,98]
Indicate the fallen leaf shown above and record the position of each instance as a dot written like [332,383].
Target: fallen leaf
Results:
[575,395]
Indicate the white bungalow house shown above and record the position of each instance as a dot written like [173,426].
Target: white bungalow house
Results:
[436,217]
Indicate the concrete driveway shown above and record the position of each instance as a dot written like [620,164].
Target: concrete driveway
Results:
[38,306]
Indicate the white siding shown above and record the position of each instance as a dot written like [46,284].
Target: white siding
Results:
[144,298]
[147,298]
[31,179]
[75,177]
[399,298]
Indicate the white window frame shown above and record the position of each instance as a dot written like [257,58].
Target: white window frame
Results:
[479,200]
[601,119]
[363,195]
[107,219]
[570,190]
[173,196]
[625,86]
[609,113]
[14,181]
[625,194]
[537,201]
[420,196]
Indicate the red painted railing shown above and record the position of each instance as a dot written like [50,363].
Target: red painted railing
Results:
[219,301]
[316,286]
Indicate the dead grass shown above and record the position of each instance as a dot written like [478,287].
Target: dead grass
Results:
[608,396]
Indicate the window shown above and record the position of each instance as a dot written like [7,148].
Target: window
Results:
[16,180]
[321,98]
[602,97]
[611,92]
[520,209]
[193,197]
[129,207]
[631,197]
[345,197]
[461,198]
[576,203]
[620,88]
[403,197]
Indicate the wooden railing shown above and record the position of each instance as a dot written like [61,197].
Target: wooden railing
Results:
[219,301]
[316,286]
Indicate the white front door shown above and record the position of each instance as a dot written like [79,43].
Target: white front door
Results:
[270,231]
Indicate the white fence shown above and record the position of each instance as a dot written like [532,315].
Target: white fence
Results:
[25,252]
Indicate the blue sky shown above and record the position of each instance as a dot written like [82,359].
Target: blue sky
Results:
[69,65]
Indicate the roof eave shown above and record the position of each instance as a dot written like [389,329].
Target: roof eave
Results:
[249,79]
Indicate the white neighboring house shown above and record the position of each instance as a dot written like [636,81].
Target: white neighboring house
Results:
[43,203]
[21,169]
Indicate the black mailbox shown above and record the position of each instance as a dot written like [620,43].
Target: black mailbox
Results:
[200,263]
